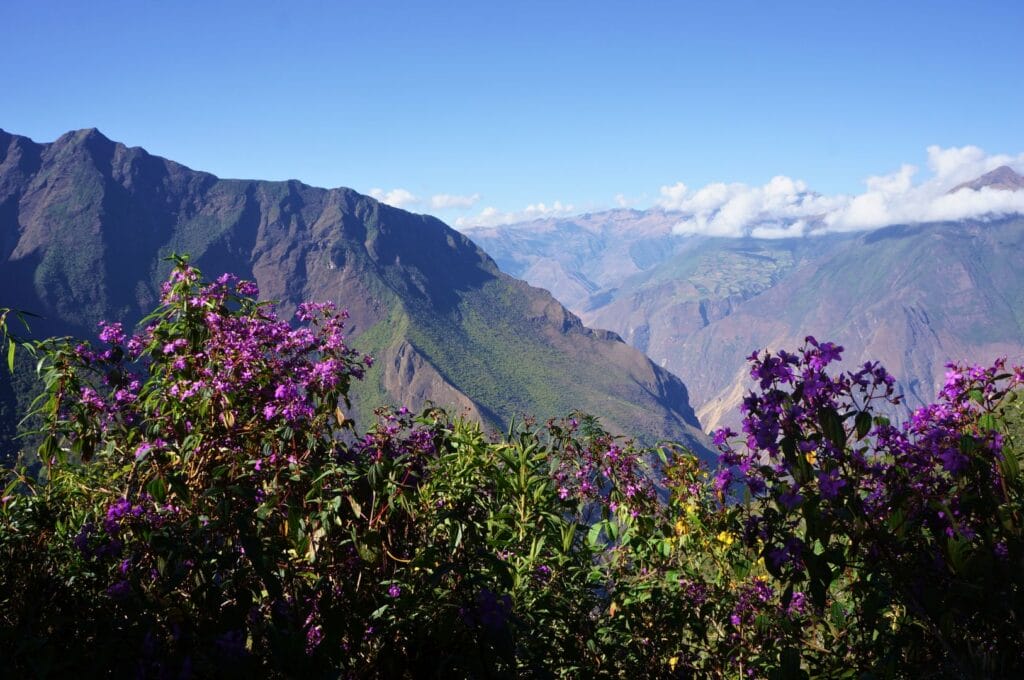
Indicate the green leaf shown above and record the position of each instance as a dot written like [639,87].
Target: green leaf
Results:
[956,548]
[838,615]
[863,424]
[157,488]
[1009,466]
[594,535]
[832,426]
[789,664]
[369,547]
[568,534]
[787,596]
[356,507]
[10,355]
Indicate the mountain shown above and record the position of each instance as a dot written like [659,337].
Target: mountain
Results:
[703,282]
[913,297]
[85,225]
[626,270]
[1004,178]
[576,258]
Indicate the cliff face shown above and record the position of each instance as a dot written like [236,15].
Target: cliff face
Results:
[86,222]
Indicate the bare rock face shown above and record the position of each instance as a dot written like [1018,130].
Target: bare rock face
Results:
[413,380]
[85,225]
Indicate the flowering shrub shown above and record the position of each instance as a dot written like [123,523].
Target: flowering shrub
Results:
[911,535]
[207,508]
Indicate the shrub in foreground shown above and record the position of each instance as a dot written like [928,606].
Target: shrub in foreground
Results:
[206,508]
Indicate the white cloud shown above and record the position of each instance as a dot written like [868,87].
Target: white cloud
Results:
[449,201]
[738,209]
[492,217]
[786,207]
[895,199]
[399,198]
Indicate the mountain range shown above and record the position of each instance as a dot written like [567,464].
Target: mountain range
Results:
[86,224]
[911,296]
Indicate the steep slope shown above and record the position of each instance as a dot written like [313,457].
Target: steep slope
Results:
[912,297]
[85,224]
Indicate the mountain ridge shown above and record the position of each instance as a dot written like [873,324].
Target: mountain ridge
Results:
[85,223]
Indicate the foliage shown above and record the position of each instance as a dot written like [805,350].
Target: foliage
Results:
[909,536]
[206,509]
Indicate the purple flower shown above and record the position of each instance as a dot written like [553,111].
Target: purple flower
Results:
[111,333]
[830,484]
[394,590]
[119,590]
[790,498]
[722,435]
[953,461]
[722,479]
[120,509]
[247,288]
[798,604]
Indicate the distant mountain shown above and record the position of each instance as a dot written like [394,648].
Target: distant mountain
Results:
[703,282]
[579,257]
[86,222]
[913,297]
[1003,177]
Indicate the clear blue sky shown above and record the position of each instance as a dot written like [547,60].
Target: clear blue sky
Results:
[522,102]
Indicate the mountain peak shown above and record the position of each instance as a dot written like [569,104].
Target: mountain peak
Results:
[84,137]
[1004,177]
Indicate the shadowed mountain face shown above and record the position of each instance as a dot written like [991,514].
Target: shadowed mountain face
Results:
[85,224]
[912,297]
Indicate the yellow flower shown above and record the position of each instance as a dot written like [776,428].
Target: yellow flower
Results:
[614,608]
[726,538]
[811,457]
[680,528]
[672,662]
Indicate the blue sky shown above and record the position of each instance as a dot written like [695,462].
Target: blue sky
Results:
[505,105]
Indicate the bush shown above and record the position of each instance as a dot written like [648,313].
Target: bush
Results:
[205,508]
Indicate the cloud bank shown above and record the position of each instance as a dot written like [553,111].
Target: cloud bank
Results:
[492,217]
[451,201]
[398,198]
[403,198]
[785,207]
